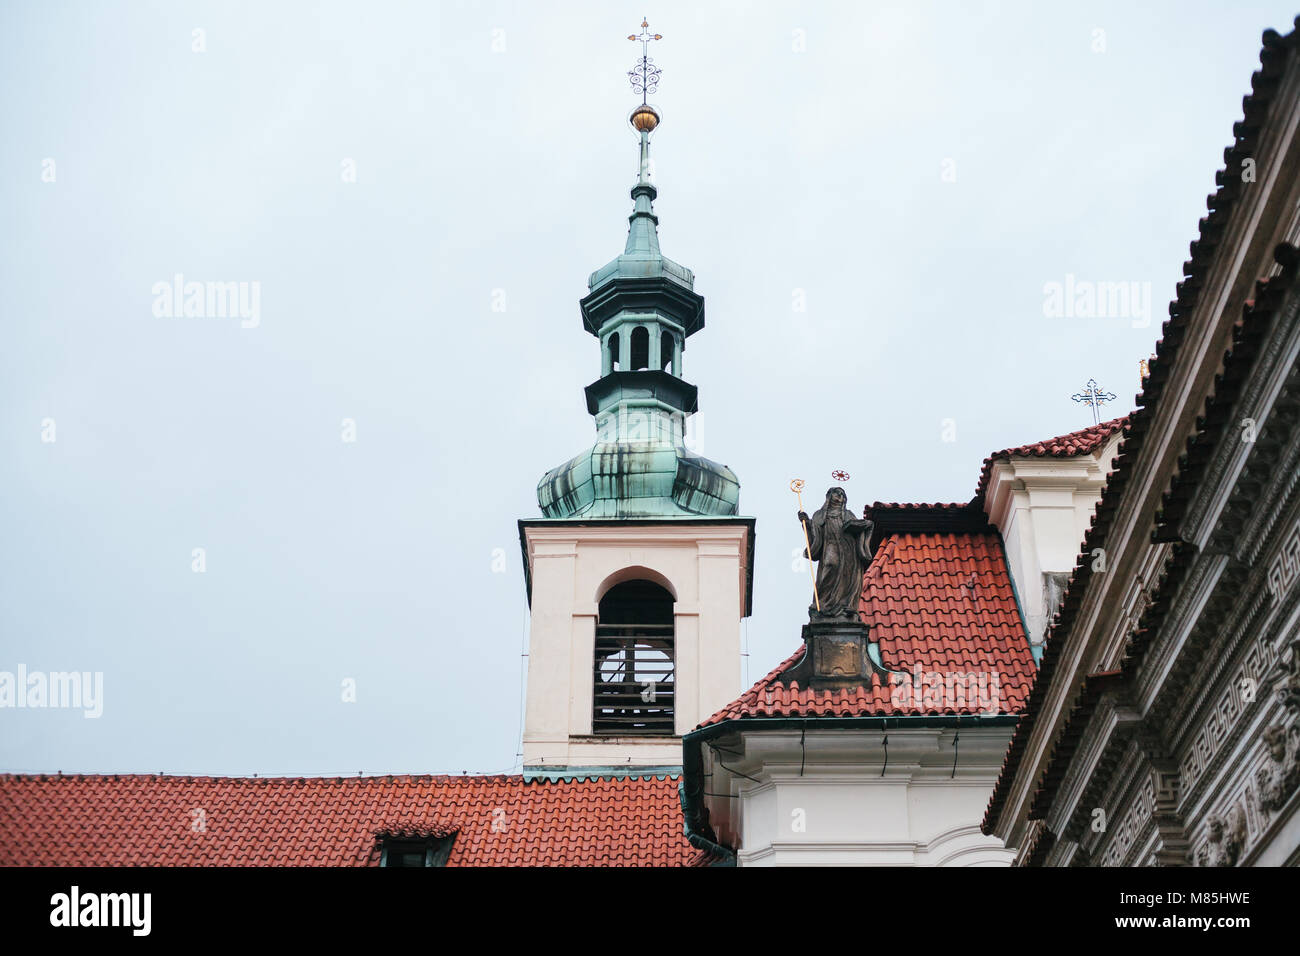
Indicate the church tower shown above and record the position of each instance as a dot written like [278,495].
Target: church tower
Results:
[640,571]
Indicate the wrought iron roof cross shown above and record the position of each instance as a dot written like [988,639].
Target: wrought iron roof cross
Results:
[1094,398]
[645,75]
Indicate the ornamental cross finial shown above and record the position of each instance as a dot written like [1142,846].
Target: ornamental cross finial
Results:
[1094,398]
[645,75]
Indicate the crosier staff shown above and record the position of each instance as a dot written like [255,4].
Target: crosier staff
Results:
[797,487]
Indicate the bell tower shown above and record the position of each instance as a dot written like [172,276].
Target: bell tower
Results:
[640,570]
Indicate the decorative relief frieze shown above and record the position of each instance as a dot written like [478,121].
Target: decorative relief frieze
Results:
[1288,681]
[1253,818]
[1133,823]
[1236,695]
[1253,822]
[1285,569]
[1229,832]
[1202,752]
[1254,665]
[1171,847]
[1279,776]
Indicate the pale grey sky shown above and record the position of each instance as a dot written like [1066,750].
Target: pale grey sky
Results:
[915,173]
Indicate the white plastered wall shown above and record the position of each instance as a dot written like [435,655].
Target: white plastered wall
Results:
[572,566]
[831,799]
[1042,507]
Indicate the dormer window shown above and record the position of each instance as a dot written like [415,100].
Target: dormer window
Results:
[418,851]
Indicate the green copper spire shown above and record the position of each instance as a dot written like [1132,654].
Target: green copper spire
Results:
[641,255]
[641,307]
[643,228]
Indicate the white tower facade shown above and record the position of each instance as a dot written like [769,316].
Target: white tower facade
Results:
[588,706]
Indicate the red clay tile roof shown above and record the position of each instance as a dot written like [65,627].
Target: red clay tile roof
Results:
[336,821]
[1085,441]
[917,599]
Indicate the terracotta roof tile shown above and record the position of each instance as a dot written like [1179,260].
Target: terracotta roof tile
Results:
[918,600]
[1085,441]
[337,821]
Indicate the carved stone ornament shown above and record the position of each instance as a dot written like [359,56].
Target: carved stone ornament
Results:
[1226,836]
[1280,775]
[1288,682]
[837,657]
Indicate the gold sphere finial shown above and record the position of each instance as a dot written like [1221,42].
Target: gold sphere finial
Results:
[644,118]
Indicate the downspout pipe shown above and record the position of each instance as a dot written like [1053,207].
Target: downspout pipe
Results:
[693,822]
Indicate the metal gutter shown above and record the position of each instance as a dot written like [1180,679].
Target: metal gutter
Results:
[690,813]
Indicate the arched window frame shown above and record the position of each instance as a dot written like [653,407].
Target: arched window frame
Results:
[612,358]
[667,352]
[634,665]
[639,354]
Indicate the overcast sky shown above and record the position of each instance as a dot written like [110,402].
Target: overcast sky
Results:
[875,200]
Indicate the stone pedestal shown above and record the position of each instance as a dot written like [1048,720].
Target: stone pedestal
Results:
[838,656]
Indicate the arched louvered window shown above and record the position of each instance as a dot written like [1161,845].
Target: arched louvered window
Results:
[633,687]
[640,348]
[666,353]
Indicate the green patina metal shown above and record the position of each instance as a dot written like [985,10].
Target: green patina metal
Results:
[641,307]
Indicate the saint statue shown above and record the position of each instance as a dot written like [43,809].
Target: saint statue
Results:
[841,546]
